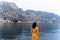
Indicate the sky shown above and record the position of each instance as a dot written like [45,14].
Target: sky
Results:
[52,6]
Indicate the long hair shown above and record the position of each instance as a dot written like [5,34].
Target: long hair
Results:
[34,25]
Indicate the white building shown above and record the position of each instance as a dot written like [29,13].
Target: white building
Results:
[19,21]
[7,20]
[1,19]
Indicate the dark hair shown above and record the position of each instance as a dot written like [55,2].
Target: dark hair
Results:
[34,25]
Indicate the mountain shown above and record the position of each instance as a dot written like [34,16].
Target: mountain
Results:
[10,11]
[42,16]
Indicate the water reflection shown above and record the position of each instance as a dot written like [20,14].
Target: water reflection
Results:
[22,31]
[11,30]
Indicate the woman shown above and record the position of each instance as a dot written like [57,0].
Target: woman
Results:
[34,31]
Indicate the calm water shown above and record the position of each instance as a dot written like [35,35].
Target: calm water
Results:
[21,31]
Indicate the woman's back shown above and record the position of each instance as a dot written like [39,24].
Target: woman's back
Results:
[35,30]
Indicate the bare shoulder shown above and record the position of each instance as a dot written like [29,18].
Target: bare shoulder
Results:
[36,27]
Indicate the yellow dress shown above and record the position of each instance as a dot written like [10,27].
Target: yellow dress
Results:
[35,33]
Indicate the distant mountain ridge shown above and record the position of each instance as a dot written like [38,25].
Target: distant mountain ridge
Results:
[42,15]
[10,11]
